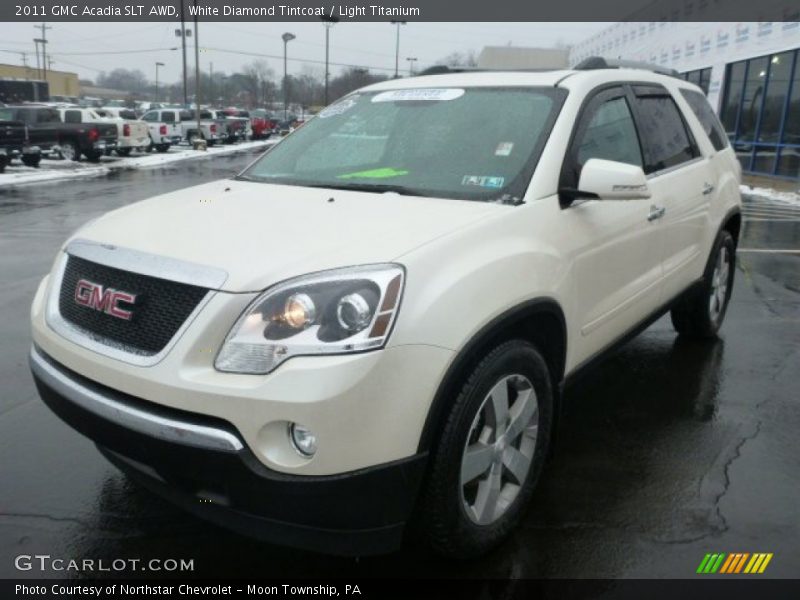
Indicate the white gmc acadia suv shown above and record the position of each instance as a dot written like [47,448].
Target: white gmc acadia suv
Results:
[367,332]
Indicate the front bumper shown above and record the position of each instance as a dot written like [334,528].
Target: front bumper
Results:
[201,464]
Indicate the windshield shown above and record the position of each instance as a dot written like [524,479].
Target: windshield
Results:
[473,143]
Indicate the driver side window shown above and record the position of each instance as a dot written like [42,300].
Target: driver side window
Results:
[610,135]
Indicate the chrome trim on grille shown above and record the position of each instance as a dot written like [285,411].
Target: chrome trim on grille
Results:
[135,419]
[95,343]
[152,265]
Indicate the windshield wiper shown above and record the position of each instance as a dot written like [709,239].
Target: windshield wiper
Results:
[378,188]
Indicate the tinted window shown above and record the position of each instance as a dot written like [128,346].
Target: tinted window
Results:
[610,135]
[707,118]
[151,116]
[127,114]
[666,141]
[48,115]
[72,116]
[168,116]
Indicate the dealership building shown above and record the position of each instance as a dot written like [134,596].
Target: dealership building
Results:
[750,71]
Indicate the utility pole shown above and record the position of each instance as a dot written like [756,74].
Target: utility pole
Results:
[38,64]
[411,60]
[397,48]
[197,72]
[43,27]
[286,37]
[211,82]
[328,23]
[158,64]
[181,33]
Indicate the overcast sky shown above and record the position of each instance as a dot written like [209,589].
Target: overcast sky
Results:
[88,48]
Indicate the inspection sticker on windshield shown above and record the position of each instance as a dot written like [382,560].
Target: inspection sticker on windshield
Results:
[338,108]
[417,94]
[504,149]
[483,181]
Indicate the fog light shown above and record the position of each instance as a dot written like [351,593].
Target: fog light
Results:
[303,440]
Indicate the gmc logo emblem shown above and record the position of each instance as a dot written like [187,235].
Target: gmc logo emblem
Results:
[92,295]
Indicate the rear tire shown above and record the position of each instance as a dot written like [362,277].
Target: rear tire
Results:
[700,312]
[31,160]
[3,163]
[124,151]
[490,454]
[162,148]
[93,155]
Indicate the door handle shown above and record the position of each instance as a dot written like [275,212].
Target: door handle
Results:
[707,189]
[656,212]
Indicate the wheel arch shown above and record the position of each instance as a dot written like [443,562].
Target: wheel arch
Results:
[540,321]
[732,223]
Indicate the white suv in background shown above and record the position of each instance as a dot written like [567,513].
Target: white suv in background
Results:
[370,327]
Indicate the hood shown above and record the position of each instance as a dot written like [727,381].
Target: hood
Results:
[262,233]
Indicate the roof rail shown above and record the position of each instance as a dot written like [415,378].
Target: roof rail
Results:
[599,62]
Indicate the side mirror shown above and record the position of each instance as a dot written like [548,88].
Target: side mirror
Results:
[612,180]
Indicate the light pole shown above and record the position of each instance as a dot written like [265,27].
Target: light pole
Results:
[397,49]
[286,37]
[197,73]
[328,22]
[183,33]
[411,60]
[158,64]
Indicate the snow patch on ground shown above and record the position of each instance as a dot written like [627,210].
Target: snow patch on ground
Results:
[59,170]
[771,195]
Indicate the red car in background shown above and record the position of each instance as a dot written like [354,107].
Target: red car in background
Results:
[262,123]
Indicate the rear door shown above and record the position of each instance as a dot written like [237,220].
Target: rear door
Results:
[677,175]
[617,258]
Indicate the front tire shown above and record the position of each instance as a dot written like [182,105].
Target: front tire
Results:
[491,452]
[124,152]
[701,312]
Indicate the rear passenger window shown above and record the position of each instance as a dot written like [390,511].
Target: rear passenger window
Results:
[611,135]
[72,116]
[705,114]
[666,141]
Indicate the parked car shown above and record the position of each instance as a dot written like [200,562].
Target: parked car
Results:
[86,133]
[372,324]
[14,143]
[70,140]
[131,132]
[262,124]
[212,129]
[238,123]
[164,127]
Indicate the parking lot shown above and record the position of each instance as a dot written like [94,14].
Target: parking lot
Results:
[668,450]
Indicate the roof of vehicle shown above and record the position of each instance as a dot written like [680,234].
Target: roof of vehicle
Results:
[566,78]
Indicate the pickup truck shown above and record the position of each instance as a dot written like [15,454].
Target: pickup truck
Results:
[164,128]
[212,129]
[71,137]
[131,132]
[14,143]
[238,123]
[262,124]
[95,135]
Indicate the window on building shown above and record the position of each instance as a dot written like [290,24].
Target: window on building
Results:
[761,113]
[699,77]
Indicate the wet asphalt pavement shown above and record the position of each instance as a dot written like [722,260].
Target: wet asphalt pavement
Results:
[669,450]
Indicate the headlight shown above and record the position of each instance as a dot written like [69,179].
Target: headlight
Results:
[333,312]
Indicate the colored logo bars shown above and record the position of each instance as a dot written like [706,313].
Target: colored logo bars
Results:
[741,562]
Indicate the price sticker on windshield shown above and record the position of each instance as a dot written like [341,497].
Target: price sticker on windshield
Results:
[419,94]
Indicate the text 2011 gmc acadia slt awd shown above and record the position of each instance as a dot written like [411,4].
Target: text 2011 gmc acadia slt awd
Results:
[367,331]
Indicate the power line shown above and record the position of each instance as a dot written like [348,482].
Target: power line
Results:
[303,60]
[141,51]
